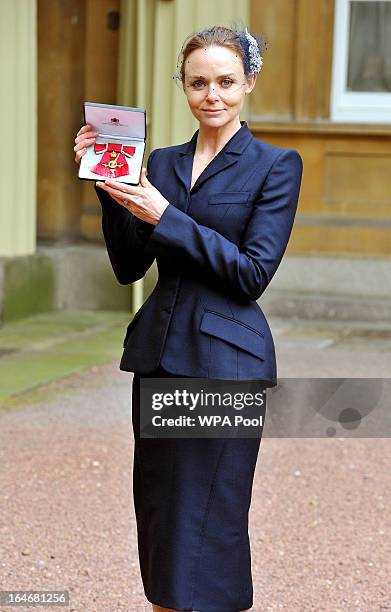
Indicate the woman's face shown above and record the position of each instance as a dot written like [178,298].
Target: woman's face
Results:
[215,85]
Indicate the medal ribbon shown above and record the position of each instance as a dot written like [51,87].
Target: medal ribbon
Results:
[113,163]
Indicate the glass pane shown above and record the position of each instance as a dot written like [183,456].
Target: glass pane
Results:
[369,57]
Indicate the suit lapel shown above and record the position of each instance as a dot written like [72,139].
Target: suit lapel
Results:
[227,157]
[218,164]
[183,167]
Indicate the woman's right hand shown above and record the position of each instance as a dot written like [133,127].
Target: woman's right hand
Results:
[84,138]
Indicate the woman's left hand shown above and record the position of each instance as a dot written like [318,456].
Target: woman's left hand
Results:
[144,200]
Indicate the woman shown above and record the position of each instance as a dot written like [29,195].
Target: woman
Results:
[217,213]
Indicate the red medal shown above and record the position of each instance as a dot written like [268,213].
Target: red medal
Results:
[113,163]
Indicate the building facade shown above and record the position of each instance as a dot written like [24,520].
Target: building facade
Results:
[325,90]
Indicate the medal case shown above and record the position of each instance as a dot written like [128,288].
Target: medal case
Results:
[118,151]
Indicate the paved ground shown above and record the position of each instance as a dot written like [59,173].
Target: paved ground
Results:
[320,522]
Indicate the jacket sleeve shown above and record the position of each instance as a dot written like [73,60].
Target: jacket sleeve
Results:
[249,267]
[125,236]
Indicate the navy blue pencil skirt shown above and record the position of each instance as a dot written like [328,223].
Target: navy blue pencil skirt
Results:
[192,497]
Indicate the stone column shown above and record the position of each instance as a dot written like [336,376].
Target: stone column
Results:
[18,111]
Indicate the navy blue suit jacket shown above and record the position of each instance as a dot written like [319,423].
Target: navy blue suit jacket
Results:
[217,247]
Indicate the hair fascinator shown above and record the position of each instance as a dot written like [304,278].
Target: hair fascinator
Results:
[256,59]
[253,51]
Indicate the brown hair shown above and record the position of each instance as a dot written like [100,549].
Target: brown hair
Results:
[216,35]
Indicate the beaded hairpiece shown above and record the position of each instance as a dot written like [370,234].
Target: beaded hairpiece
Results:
[252,56]
[256,59]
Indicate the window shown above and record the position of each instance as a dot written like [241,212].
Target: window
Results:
[361,75]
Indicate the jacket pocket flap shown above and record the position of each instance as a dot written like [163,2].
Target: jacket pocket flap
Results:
[230,197]
[234,332]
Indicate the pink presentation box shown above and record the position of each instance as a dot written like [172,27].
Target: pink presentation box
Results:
[118,151]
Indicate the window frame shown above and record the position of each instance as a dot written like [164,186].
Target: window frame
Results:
[353,106]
